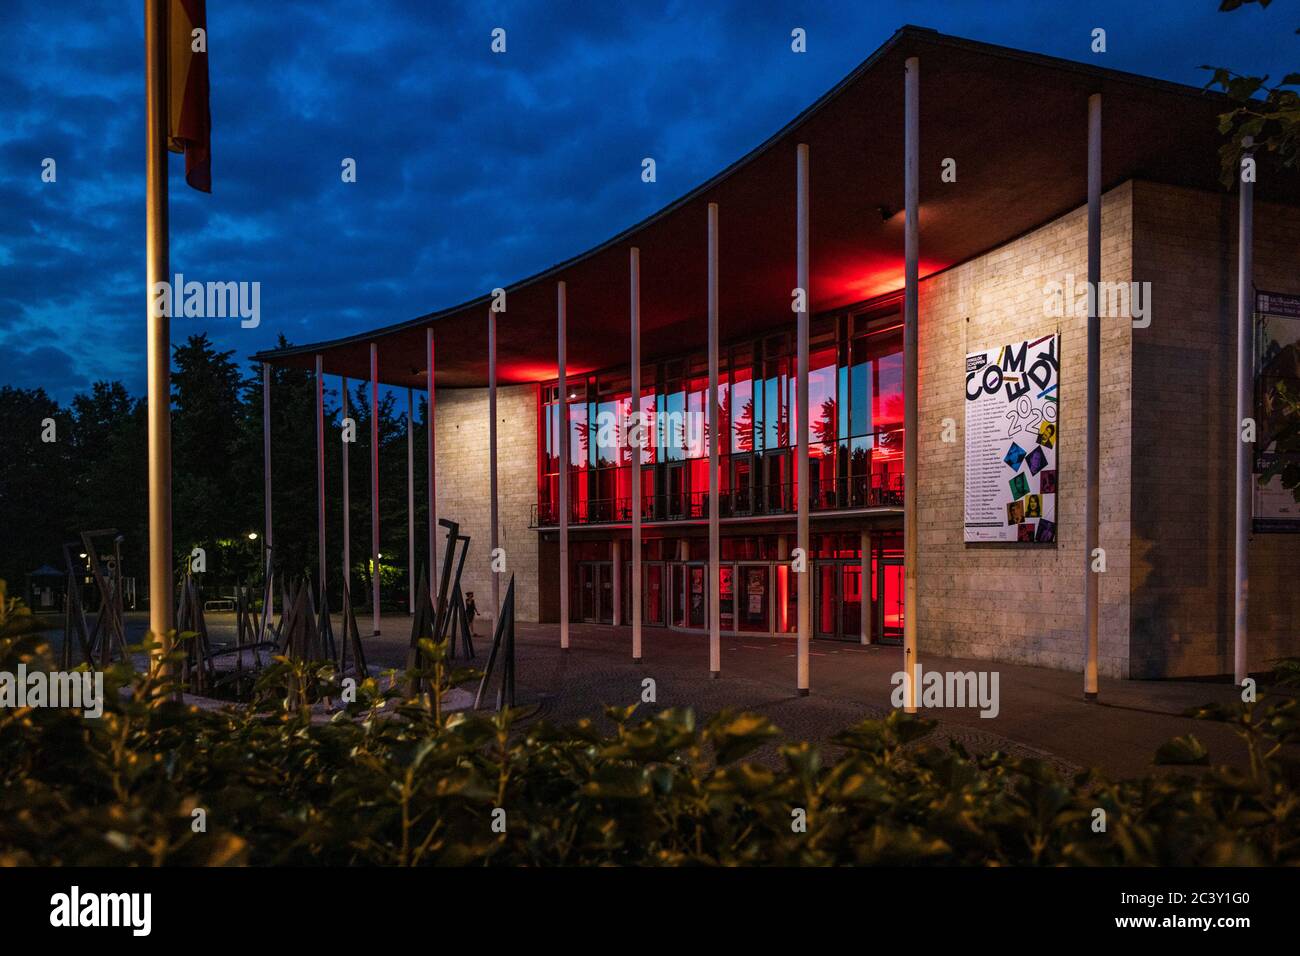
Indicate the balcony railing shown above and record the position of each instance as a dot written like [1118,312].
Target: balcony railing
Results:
[882,491]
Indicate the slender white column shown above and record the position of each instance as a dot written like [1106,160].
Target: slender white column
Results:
[410,497]
[715,439]
[635,265]
[430,423]
[320,475]
[266,465]
[562,430]
[1092,398]
[911,241]
[804,579]
[374,483]
[494,528]
[865,585]
[1245,409]
[347,505]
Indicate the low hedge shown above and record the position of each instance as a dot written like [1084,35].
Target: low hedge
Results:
[394,781]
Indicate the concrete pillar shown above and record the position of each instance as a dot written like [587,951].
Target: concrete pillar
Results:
[865,587]
[374,485]
[1245,409]
[715,439]
[911,283]
[1092,443]
[635,267]
[616,547]
[804,579]
[562,320]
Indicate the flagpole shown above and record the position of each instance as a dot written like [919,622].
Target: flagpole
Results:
[161,621]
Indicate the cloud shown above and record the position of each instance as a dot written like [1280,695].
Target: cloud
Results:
[473,169]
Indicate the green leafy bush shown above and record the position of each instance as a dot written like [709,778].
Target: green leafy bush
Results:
[395,781]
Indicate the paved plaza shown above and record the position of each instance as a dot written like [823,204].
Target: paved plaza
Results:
[1041,711]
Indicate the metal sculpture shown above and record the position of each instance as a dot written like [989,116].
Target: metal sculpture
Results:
[503,646]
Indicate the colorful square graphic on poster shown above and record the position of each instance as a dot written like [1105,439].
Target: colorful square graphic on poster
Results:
[1012,440]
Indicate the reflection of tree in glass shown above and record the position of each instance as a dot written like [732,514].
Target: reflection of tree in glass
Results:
[584,439]
[825,428]
[744,427]
[724,417]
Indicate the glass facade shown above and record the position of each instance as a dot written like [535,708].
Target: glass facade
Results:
[855,391]
[757,590]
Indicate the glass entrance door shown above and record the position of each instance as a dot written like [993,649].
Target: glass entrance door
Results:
[688,597]
[596,592]
[826,599]
[727,597]
[654,596]
[837,608]
[586,592]
[605,592]
[754,588]
[889,600]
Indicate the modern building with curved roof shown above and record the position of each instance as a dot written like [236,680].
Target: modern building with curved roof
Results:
[890,299]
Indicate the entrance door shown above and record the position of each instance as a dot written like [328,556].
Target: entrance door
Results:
[596,592]
[688,597]
[753,597]
[826,600]
[837,608]
[586,592]
[889,603]
[653,596]
[605,592]
[727,597]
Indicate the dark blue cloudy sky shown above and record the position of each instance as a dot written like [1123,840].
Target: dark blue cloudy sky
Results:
[474,169]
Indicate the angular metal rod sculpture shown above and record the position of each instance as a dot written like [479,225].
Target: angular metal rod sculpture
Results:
[503,645]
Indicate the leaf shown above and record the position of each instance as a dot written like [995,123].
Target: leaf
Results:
[1182,751]
[734,735]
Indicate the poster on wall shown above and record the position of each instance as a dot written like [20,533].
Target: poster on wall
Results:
[1277,403]
[1011,441]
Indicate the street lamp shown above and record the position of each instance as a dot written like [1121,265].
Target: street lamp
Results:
[252,536]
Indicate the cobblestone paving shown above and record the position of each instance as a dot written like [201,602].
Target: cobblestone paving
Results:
[597,672]
[1041,711]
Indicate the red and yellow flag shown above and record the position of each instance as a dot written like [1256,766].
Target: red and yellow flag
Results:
[189,128]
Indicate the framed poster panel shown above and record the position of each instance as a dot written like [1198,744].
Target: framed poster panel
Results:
[1277,411]
[1012,440]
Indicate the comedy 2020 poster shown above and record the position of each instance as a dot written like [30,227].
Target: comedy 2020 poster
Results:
[1012,438]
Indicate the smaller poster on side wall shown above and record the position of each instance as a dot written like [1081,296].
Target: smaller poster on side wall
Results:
[1012,440]
[1277,412]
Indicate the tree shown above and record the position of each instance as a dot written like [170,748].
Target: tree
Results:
[1273,122]
[36,484]
[108,471]
[214,502]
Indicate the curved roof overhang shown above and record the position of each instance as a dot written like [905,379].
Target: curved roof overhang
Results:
[1015,122]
